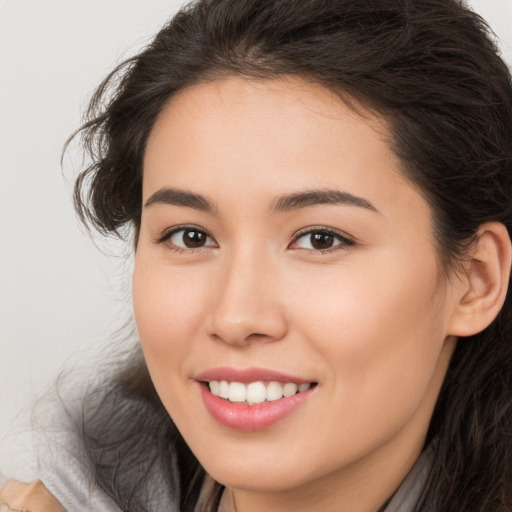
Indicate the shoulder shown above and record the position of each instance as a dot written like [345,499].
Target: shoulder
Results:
[32,497]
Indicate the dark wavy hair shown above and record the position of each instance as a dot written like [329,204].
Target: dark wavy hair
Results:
[432,70]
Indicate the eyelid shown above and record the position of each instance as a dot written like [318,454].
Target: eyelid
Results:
[168,233]
[346,240]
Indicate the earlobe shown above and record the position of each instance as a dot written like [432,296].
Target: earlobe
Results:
[484,286]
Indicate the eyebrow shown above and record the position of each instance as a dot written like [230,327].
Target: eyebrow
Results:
[290,202]
[178,197]
[299,200]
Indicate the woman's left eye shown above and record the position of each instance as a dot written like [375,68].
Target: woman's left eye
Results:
[321,240]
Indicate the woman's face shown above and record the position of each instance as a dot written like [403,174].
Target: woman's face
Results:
[281,244]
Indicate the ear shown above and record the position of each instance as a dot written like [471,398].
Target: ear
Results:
[481,291]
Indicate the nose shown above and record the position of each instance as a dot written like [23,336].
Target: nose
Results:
[247,306]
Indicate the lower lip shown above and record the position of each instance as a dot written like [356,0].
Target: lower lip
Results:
[251,417]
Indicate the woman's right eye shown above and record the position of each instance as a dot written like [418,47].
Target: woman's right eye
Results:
[188,238]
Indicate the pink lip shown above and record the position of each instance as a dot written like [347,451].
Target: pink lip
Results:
[246,417]
[248,375]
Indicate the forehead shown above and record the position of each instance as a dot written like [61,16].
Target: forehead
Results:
[270,137]
[287,111]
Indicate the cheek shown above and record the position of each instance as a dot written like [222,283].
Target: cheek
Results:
[369,306]
[167,305]
[381,329]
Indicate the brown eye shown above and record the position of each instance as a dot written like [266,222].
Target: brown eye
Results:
[190,239]
[321,241]
[193,239]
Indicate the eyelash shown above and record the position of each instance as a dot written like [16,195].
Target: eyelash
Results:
[171,232]
[345,242]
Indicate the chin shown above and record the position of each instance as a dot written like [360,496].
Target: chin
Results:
[257,479]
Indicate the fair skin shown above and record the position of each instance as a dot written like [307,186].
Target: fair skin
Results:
[371,322]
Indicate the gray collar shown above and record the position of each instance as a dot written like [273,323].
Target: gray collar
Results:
[410,489]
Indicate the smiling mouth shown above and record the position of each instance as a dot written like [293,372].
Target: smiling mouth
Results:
[258,392]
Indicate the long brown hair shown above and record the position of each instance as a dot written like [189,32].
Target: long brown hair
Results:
[432,70]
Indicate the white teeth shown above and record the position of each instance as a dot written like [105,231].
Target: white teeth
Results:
[237,392]
[255,392]
[289,389]
[224,389]
[274,391]
[214,387]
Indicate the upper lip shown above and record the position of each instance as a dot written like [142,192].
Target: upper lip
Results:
[247,375]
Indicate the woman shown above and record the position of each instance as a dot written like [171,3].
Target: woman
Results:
[320,197]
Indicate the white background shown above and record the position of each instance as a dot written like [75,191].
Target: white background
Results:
[60,297]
